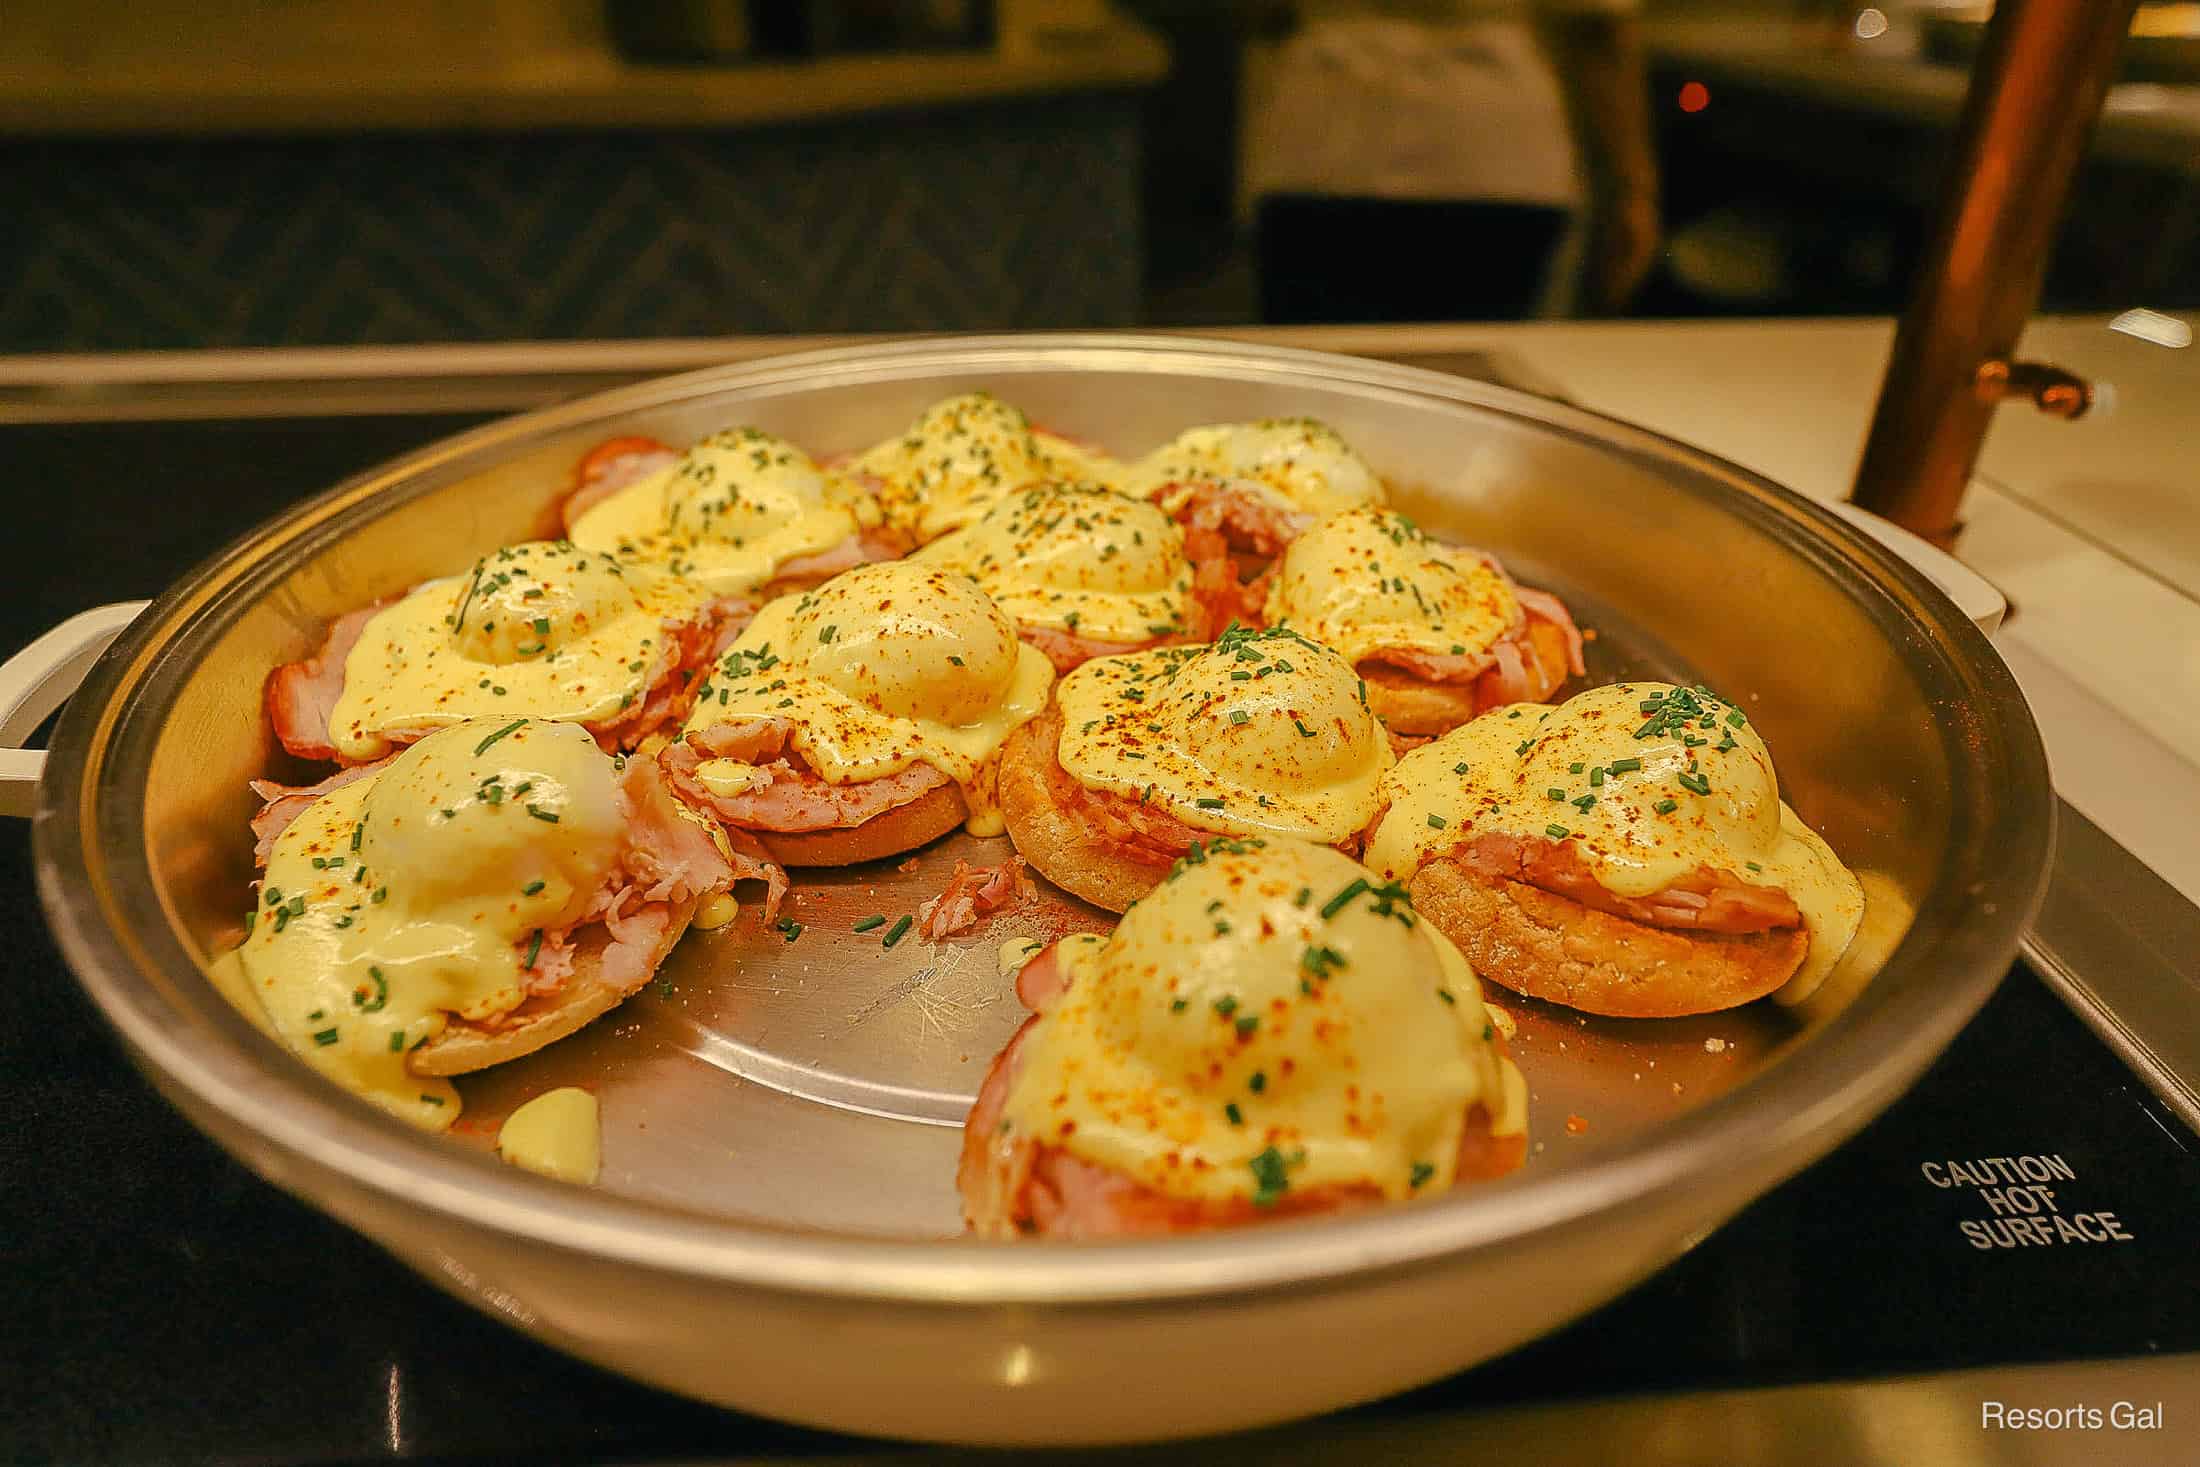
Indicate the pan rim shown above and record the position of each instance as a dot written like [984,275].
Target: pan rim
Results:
[1807,1101]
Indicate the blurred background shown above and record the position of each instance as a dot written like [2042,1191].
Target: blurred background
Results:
[336,171]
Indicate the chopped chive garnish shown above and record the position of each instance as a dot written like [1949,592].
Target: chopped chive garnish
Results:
[542,626]
[1556,832]
[1666,807]
[1247,1023]
[1237,1117]
[789,928]
[1446,995]
[1179,1005]
[1436,822]
[1626,766]
[1209,802]
[541,814]
[1736,719]
[1270,1177]
[1304,731]
[1225,1006]
[893,934]
[870,923]
[1460,767]
[1422,1171]
[397,1042]
[1321,961]
[1554,793]
[1596,776]
[1239,715]
[1752,865]
[1305,894]
[381,998]
[1343,898]
[1524,746]
[1696,782]
[513,727]
[426,1099]
[531,888]
[324,1037]
[1257,1082]
[534,950]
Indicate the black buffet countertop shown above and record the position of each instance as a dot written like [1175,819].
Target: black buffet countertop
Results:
[165,1305]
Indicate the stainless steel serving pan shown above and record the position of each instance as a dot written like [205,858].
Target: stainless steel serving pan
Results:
[775,1228]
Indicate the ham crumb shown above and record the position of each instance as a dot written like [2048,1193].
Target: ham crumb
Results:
[973,894]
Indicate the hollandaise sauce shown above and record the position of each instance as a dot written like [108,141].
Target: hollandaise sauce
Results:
[424,891]
[544,628]
[882,667]
[1648,781]
[733,509]
[1297,464]
[956,459]
[1262,732]
[1369,580]
[1271,1018]
[1078,558]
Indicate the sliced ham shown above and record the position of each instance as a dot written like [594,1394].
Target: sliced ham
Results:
[1118,825]
[609,467]
[1245,514]
[1543,607]
[1069,651]
[281,804]
[1704,900]
[861,548]
[301,696]
[1222,594]
[973,894]
[783,793]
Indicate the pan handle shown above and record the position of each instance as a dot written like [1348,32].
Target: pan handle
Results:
[37,680]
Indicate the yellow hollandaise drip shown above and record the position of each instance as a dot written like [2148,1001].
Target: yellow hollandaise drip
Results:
[545,628]
[1078,558]
[882,667]
[1297,464]
[1647,781]
[729,513]
[1369,580]
[424,891]
[1269,1019]
[1262,732]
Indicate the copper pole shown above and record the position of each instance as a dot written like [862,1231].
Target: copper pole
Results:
[2042,74]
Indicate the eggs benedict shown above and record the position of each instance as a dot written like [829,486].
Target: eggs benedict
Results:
[545,628]
[1625,853]
[491,889]
[738,510]
[1260,733]
[1439,632]
[1271,1032]
[1257,485]
[959,457]
[860,719]
[1082,571]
